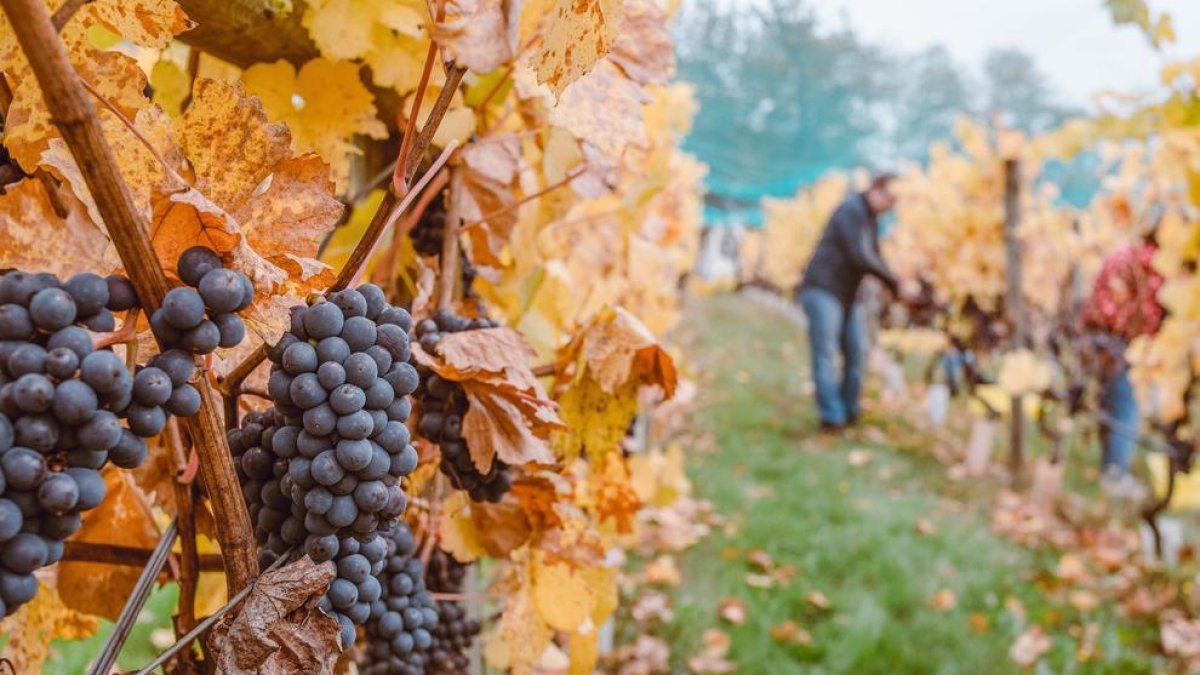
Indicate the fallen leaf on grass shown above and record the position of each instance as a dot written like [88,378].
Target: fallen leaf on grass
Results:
[817,599]
[652,607]
[790,632]
[1014,607]
[1071,569]
[730,553]
[732,610]
[662,572]
[711,660]
[1083,600]
[979,623]
[1030,647]
[943,601]
[760,559]
[859,458]
[924,527]
[647,656]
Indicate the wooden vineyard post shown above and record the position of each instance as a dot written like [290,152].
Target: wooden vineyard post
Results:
[1015,307]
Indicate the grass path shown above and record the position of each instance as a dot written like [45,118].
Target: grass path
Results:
[857,533]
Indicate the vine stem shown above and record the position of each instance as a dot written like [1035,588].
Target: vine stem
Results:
[545,370]
[410,221]
[74,114]
[448,271]
[189,564]
[379,222]
[125,556]
[408,200]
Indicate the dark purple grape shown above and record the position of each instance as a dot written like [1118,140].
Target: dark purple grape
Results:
[196,262]
[121,294]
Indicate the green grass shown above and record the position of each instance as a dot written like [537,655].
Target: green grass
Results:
[850,532]
[73,657]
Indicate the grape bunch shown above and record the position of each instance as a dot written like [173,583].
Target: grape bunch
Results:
[202,315]
[427,234]
[61,406]
[321,470]
[455,631]
[402,622]
[443,405]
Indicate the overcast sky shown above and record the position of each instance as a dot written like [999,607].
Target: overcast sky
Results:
[1075,41]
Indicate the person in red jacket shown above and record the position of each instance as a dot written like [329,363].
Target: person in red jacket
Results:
[1123,306]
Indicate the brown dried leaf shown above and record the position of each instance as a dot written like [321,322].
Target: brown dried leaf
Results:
[492,350]
[943,600]
[643,48]
[578,34]
[123,519]
[1030,647]
[483,185]
[604,108]
[817,599]
[475,34]
[732,610]
[712,658]
[537,496]
[279,630]
[508,423]
[33,237]
[790,632]
[616,348]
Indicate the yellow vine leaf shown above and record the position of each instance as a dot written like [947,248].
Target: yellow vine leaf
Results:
[521,636]
[596,420]
[564,598]
[584,651]
[457,531]
[172,85]
[123,519]
[35,625]
[388,35]
[578,34]
[324,104]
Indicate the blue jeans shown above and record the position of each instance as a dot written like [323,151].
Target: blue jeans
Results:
[832,327]
[1120,439]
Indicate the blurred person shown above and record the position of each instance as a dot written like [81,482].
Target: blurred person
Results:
[847,252]
[1123,306]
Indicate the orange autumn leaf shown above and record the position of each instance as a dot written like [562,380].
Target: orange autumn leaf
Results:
[492,350]
[33,237]
[122,519]
[36,624]
[483,192]
[537,496]
[732,610]
[616,347]
[470,529]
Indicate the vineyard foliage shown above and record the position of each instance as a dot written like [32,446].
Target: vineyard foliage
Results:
[574,212]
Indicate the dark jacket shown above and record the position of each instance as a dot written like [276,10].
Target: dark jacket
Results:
[848,251]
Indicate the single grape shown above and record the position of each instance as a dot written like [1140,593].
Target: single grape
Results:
[33,393]
[184,401]
[26,359]
[359,332]
[300,357]
[196,262]
[395,340]
[74,338]
[102,432]
[89,291]
[121,294]
[371,496]
[39,432]
[342,593]
[52,309]
[321,548]
[231,330]
[380,395]
[61,363]
[91,487]
[151,387]
[23,469]
[347,399]
[331,375]
[354,568]
[322,320]
[24,553]
[15,323]
[58,493]
[11,520]
[183,308]
[376,300]
[319,421]
[326,470]
[357,426]
[101,322]
[17,589]
[203,339]
[247,293]
[353,455]
[103,371]
[351,302]
[361,370]
[333,349]
[306,391]
[177,364]
[403,378]
[395,316]
[342,512]
[222,290]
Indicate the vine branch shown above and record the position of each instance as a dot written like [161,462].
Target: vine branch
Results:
[74,114]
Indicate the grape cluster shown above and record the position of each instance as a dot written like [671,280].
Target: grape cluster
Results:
[427,234]
[400,631]
[443,405]
[455,631]
[61,406]
[321,470]
[202,315]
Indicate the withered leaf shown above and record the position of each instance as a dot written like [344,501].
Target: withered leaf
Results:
[279,630]
[475,34]
[643,47]
[578,34]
